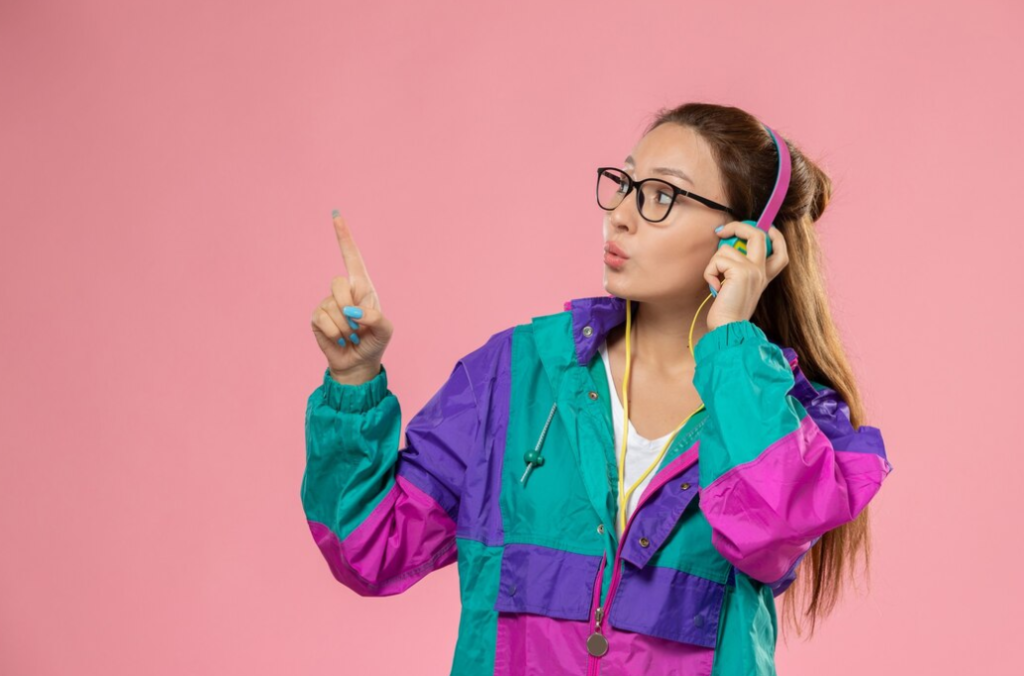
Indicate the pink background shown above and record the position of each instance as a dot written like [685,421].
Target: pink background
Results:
[168,176]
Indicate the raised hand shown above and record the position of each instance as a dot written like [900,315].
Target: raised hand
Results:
[348,324]
[746,275]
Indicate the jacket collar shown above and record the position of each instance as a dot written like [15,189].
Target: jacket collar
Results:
[592,318]
[602,314]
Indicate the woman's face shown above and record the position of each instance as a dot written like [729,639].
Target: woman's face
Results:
[667,259]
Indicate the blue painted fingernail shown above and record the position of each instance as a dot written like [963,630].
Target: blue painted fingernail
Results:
[334,214]
[719,228]
[352,311]
[713,292]
[341,341]
[354,338]
[353,324]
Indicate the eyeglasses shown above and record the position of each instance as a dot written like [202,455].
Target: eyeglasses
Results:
[654,197]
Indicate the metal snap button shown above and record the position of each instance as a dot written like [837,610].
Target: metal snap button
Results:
[600,528]
[644,542]
[512,590]
[592,394]
[698,620]
[685,486]
[587,331]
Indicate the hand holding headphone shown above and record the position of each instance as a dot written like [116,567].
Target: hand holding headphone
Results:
[743,252]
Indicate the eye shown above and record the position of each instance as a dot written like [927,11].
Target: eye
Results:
[665,197]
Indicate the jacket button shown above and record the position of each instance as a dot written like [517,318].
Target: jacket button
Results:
[698,620]
[512,590]
[644,542]
[600,528]
[592,394]
[685,486]
[587,331]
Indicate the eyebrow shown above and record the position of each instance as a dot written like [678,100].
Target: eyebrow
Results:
[666,171]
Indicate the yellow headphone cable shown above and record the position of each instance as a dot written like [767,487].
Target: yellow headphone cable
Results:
[624,498]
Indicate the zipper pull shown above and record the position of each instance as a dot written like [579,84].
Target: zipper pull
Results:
[597,644]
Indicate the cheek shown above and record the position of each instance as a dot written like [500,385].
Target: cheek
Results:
[680,253]
[677,263]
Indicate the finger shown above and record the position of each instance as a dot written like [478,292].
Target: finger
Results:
[333,310]
[341,292]
[341,298]
[369,312]
[717,266]
[323,322]
[757,249]
[728,230]
[354,265]
[367,320]
[730,252]
[726,258]
[370,317]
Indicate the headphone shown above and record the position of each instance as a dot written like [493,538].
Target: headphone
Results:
[774,202]
[764,223]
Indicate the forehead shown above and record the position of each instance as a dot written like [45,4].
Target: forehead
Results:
[679,147]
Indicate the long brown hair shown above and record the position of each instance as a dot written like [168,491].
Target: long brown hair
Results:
[793,310]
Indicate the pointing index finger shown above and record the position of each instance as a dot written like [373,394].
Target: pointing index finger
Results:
[349,251]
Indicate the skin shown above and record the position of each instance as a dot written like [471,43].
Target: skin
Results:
[354,345]
[672,262]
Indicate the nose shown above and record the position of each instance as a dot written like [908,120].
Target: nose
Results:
[625,215]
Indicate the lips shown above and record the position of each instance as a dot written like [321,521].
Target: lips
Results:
[610,247]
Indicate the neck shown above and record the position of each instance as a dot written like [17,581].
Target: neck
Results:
[661,334]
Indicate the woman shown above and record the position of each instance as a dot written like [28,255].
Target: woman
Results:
[627,485]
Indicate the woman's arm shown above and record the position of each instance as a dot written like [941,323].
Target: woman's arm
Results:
[385,517]
[780,462]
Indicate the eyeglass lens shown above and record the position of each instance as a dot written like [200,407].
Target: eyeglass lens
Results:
[655,197]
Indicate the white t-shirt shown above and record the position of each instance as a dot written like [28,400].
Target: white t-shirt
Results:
[640,452]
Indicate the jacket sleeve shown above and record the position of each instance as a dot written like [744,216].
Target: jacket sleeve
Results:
[780,462]
[384,517]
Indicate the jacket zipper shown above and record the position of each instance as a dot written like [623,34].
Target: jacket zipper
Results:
[596,641]
[596,615]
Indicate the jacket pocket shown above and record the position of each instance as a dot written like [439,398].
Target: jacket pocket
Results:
[546,581]
[668,603]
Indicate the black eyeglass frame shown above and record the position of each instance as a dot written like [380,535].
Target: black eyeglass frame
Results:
[676,192]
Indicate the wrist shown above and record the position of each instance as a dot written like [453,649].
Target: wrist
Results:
[355,376]
[723,322]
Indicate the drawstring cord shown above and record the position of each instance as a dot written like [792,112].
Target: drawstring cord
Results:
[533,458]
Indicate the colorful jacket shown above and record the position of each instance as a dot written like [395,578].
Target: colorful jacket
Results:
[691,587]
